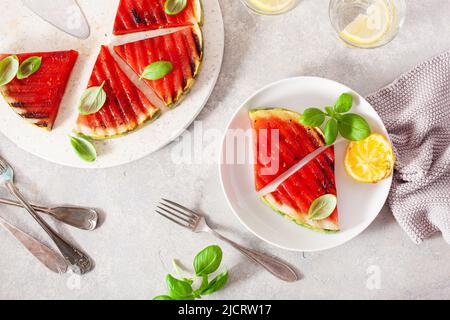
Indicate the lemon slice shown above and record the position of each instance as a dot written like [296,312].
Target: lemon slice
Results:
[370,160]
[271,5]
[370,28]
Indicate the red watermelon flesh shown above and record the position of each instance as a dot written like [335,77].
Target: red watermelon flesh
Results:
[144,15]
[294,196]
[295,142]
[38,97]
[126,107]
[184,49]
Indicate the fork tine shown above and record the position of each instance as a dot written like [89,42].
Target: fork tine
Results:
[195,214]
[189,216]
[173,220]
[176,215]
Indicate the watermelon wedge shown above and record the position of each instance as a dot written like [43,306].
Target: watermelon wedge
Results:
[144,15]
[275,156]
[38,97]
[294,196]
[126,107]
[184,49]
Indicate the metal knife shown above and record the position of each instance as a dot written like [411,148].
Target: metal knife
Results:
[66,15]
[52,260]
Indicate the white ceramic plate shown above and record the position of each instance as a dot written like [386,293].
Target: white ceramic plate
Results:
[358,204]
[27,33]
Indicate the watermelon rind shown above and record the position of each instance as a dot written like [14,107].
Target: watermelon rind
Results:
[97,137]
[302,218]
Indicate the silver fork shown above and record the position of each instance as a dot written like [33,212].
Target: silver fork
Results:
[79,261]
[197,223]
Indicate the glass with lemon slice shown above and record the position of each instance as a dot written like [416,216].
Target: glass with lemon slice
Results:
[270,7]
[367,23]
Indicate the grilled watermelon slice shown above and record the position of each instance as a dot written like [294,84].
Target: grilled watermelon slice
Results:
[144,15]
[126,107]
[38,97]
[184,49]
[294,143]
[294,196]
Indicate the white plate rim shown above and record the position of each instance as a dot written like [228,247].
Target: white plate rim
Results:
[221,169]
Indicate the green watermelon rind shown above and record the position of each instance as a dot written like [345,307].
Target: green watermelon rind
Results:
[305,225]
[118,135]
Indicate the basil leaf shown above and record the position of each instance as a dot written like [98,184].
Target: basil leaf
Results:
[217,283]
[163,297]
[8,69]
[312,117]
[173,7]
[28,67]
[178,289]
[344,103]
[157,70]
[330,111]
[93,100]
[322,207]
[331,131]
[84,149]
[208,260]
[353,127]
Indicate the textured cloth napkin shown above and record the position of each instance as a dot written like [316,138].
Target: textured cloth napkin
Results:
[416,111]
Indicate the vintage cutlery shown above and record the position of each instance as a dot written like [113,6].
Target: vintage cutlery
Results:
[78,217]
[79,261]
[52,260]
[197,223]
[66,15]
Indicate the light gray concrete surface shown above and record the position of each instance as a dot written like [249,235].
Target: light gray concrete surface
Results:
[133,248]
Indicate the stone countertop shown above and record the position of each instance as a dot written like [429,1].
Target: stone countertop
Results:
[133,248]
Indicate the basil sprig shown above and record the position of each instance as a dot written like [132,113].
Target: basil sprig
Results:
[351,126]
[83,148]
[8,69]
[322,207]
[174,7]
[157,70]
[206,262]
[29,67]
[93,100]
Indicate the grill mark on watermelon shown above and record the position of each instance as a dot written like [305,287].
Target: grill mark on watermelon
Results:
[137,18]
[183,51]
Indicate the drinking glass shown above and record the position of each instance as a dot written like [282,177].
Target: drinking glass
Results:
[367,23]
[270,7]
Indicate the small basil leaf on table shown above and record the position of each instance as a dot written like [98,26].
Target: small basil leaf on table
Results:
[29,67]
[157,70]
[84,149]
[93,100]
[322,207]
[163,297]
[353,127]
[8,69]
[178,289]
[208,260]
[217,283]
[331,131]
[173,7]
[312,117]
[344,103]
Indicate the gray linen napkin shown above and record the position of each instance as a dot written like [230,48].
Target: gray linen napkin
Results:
[416,111]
